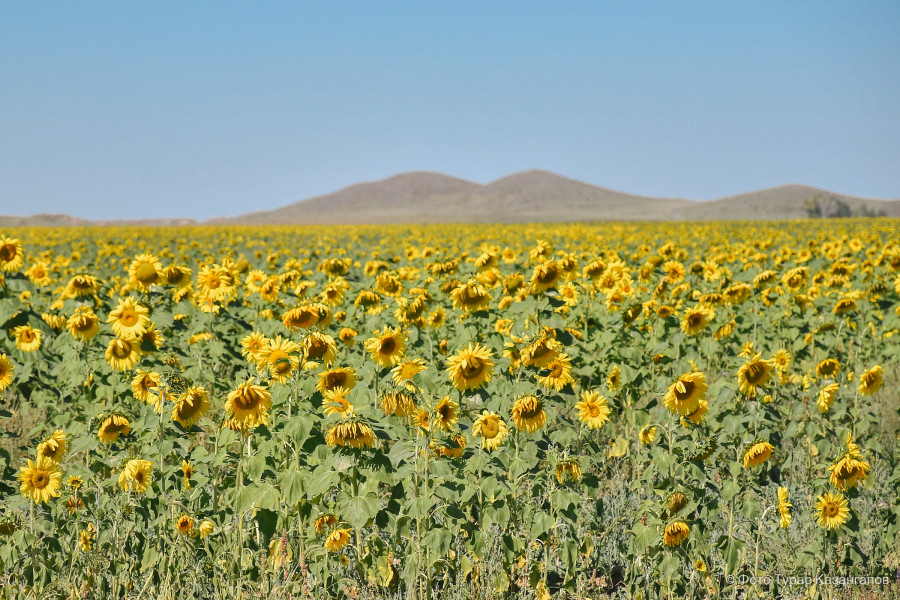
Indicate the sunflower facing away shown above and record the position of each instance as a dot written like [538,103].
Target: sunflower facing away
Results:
[826,397]
[871,381]
[528,414]
[491,428]
[403,373]
[112,427]
[40,480]
[684,396]
[136,476]
[832,510]
[191,406]
[471,367]
[851,469]
[352,432]
[647,434]
[757,454]
[593,409]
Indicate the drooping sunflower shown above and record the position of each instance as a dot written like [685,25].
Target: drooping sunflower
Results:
[300,317]
[40,480]
[755,373]
[784,508]
[559,373]
[545,276]
[352,432]
[399,404]
[335,402]
[452,448]
[697,415]
[279,357]
[528,414]
[593,409]
[12,255]
[129,319]
[828,368]
[249,404]
[7,370]
[676,533]
[53,447]
[347,336]
[757,454]
[112,427]
[184,525]
[851,469]
[491,428]
[318,347]
[470,297]
[28,339]
[826,397]
[123,353]
[177,276]
[136,476]
[187,470]
[337,539]
[832,510]
[191,406]
[387,347]
[344,377]
[403,373]
[446,413]
[471,367]
[684,396]
[647,434]
[145,271]
[206,528]
[325,522]
[696,319]
[84,324]
[541,352]
[871,381]
[568,470]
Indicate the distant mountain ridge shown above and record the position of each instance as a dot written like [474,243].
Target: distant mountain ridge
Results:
[528,196]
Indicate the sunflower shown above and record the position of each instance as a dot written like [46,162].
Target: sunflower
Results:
[452,448]
[471,367]
[325,522]
[278,357]
[757,454]
[832,510]
[177,276]
[347,336]
[470,297]
[252,344]
[593,409]
[405,370]
[337,539]
[136,476]
[344,377]
[206,528]
[647,434]
[145,387]
[123,353]
[446,411]
[685,395]
[53,447]
[81,286]
[12,256]
[541,352]
[545,276]
[850,470]
[559,375]
[334,402]
[528,414]
[352,432]
[216,283]
[826,397]
[387,347]
[675,533]
[112,427]
[129,319]
[399,404]
[301,317]
[568,470]
[187,469]
[191,406]
[40,481]
[696,319]
[28,339]
[249,404]
[844,305]
[756,372]
[871,381]
[318,347]
[7,370]
[828,368]
[184,525]
[491,428]
[84,324]
[782,360]
[784,508]
[145,271]
[697,415]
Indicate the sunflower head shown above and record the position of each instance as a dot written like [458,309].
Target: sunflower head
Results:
[832,510]
[40,480]
[471,367]
[491,429]
[758,453]
[528,414]
[676,533]
[593,409]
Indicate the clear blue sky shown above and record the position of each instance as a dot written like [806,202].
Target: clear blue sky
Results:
[198,109]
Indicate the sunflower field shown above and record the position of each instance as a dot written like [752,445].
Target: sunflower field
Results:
[580,411]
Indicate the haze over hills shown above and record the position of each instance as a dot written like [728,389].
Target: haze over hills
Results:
[529,196]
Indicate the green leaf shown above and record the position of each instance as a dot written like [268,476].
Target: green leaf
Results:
[358,510]
[293,486]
